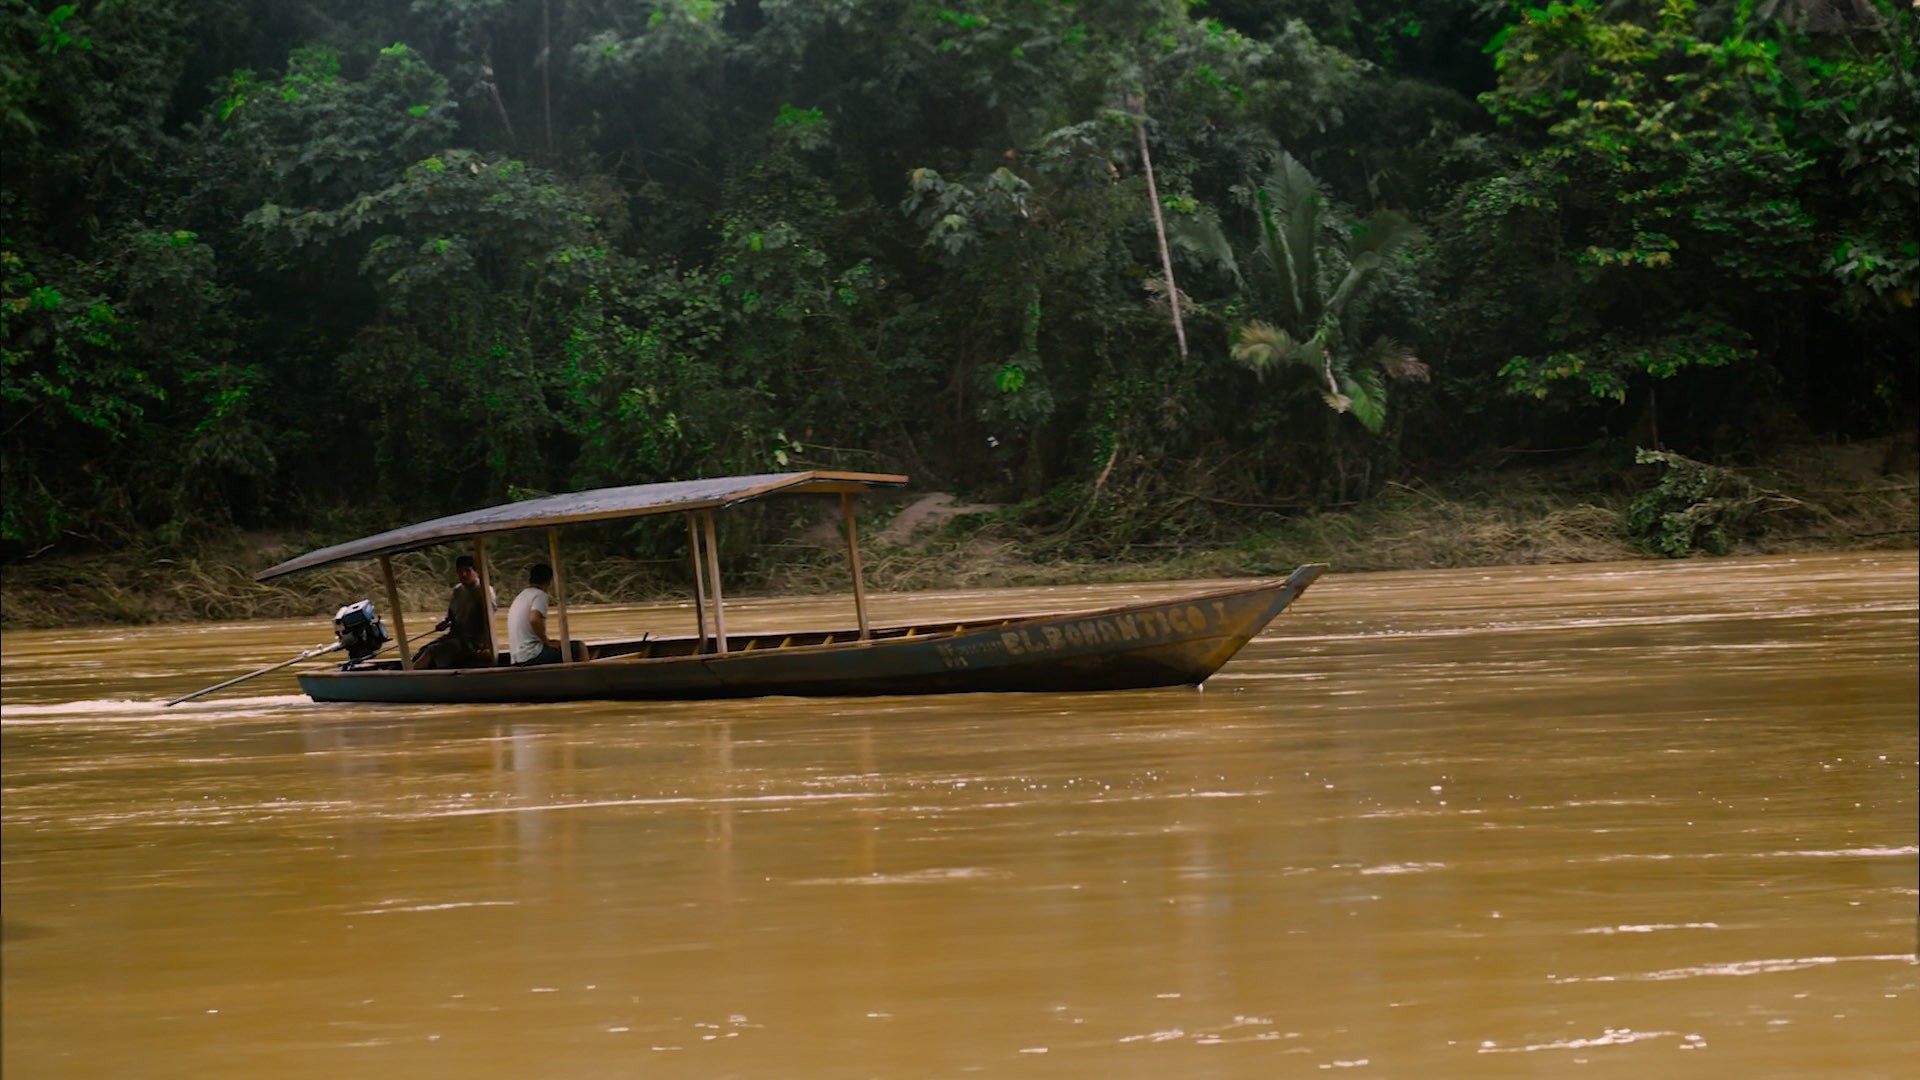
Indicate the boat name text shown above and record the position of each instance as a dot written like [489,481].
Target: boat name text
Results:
[1106,630]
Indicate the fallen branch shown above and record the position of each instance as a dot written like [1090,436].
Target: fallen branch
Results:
[1107,470]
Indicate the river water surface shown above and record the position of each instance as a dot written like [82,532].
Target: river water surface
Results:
[1641,820]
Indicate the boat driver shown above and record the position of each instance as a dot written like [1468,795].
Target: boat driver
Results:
[527,624]
[468,613]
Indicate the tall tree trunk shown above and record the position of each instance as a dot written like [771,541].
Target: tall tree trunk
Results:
[546,69]
[1159,223]
[486,70]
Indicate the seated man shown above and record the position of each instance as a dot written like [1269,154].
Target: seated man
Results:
[527,624]
[468,613]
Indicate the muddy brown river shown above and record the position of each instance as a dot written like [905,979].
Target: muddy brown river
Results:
[1645,820]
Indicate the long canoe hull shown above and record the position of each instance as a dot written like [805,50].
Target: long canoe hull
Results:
[1161,643]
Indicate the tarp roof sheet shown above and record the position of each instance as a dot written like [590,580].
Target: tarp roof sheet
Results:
[603,504]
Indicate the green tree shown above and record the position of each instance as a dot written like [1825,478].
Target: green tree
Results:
[1671,201]
[1308,279]
[436,278]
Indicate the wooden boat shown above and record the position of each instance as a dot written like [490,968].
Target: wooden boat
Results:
[1171,642]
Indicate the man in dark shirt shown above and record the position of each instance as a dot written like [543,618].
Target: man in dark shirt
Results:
[468,612]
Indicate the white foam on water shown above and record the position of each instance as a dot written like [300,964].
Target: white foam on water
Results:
[1650,928]
[916,877]
[754,801]
[1737,968]
[1609,1037]
[436,907]
[1816,853]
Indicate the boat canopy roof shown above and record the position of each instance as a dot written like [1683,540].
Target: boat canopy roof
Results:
[602,504]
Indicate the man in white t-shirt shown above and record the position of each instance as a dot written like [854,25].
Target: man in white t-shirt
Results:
[527,638]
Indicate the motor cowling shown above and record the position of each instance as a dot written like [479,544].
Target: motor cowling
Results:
[358,629]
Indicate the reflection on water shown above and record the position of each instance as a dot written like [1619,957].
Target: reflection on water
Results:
[1653,819]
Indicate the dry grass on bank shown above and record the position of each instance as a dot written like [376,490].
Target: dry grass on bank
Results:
[1815,498]
[1822,498]
[1404,529]
[1863,494]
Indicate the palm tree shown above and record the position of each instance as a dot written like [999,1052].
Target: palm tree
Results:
[1306,323]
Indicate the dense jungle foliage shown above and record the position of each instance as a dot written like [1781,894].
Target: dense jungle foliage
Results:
[291,262]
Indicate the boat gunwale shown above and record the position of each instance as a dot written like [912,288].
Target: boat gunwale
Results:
[895,634]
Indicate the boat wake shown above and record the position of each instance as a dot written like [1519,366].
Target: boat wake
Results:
[128,710]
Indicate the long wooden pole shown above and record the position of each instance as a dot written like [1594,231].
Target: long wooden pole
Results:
[399,620]
[853,552]
[713,574]
[699,580]
[560,595]
[486,597]
[310,653]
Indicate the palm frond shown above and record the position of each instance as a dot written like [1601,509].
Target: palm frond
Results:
[1261,346]
[1200,234]
[1290,205]
[1376,242]
[1367,397]
[1386,232]
[1290,185]
[1303,238]
[1270,254]
[1397,360]
[1336,400]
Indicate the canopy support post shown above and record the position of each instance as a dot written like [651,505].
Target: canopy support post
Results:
[399,620]
[713,574]
[699,581]
[486,596]
[560,595]
[853,553]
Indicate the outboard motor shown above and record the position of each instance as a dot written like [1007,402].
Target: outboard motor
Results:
[358,628]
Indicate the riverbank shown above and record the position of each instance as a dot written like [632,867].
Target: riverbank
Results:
[1858,496]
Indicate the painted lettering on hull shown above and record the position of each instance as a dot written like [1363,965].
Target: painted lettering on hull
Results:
[1116,629]
[959,655]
